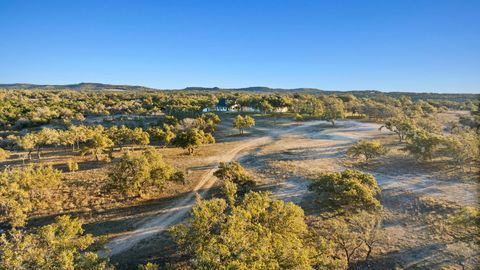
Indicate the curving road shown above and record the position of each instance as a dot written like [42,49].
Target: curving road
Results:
[180,208]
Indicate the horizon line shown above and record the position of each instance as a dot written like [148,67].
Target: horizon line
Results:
[474,92]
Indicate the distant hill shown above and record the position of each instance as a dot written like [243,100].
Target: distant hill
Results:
[254,89]
[78,86]
[460,97]
[110,87]
[263,89]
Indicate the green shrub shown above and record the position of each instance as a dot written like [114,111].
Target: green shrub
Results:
[299,117]
[141,173]
[72,165]
[258,233]
[367,149]
[23,190]
[4,154]
[348,191]
[61,245]
[233,171]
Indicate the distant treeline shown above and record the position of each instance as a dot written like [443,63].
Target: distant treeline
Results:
[30,108]
[460,97]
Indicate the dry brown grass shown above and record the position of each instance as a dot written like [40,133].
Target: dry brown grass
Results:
[290,159]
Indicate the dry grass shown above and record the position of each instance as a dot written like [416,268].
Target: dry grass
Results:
[282,166]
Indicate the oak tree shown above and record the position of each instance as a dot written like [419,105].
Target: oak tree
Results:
[62,245]
[136,174]
[258,233]
[367,149]
[192,139]
[242,123]
[347,191]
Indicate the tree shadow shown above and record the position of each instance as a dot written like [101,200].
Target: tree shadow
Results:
[430,256]
[160,249]
[118,220]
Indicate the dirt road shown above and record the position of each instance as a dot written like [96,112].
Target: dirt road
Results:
[285,165]
[180,207]
[284,156]
[296,155]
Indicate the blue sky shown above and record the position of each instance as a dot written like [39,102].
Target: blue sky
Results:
[404,45]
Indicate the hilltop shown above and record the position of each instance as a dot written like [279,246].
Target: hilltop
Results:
[460,97]
[78,86]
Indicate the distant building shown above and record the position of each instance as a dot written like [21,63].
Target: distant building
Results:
[221,107]
[248,109]
[280,110]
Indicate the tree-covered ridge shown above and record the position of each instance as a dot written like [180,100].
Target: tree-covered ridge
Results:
[255,89]
[30,108]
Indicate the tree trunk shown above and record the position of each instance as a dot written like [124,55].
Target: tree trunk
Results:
[348,257]
[369,251]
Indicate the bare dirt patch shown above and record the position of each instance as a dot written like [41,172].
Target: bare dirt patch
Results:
[286,164]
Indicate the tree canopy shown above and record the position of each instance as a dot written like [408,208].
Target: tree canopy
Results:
[59,246]
[141,173]
[25,189]
[233,171]
[334,109]
[367,149]
[242,123]
[347,191]
[192,139]
[257,233]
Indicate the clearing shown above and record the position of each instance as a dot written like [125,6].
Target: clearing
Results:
[282,157]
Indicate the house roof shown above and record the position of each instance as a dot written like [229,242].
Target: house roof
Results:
[222,103]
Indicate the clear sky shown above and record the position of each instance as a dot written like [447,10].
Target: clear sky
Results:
[404,45]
